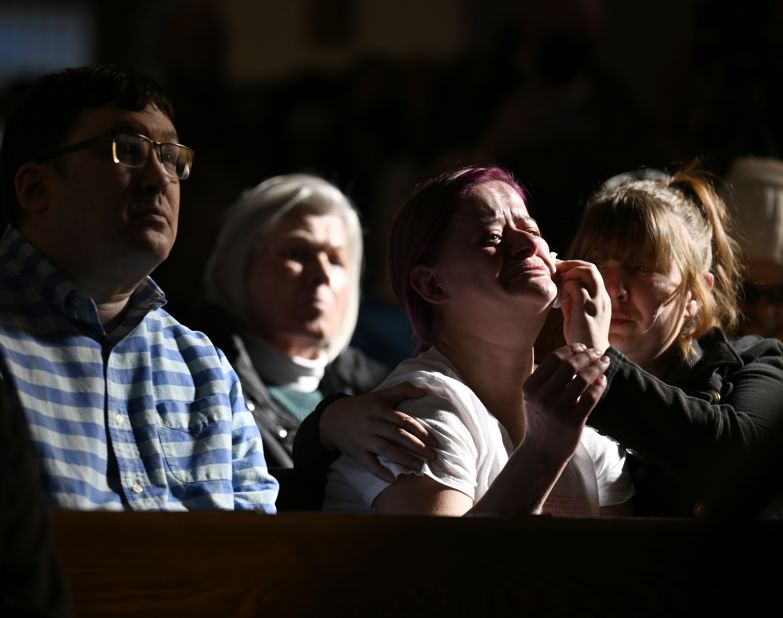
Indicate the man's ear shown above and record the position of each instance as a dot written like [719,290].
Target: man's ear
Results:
[425,282]
[31,187]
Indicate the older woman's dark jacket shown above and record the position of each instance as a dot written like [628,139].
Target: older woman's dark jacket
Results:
[352,373]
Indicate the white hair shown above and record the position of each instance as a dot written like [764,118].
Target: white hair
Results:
[253,217]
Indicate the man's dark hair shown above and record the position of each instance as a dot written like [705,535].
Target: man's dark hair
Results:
[49,110]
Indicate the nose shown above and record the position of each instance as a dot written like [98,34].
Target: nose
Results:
[522,243]
[154,176]
[321,269]
[615,283]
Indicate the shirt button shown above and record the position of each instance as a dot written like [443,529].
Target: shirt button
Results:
[137,489]
[118,420]
[250,405]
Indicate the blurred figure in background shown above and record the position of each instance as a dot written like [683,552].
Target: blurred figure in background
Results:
[281,297]
[755,194]
[32,583]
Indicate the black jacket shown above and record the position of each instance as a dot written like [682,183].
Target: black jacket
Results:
[699,436]
[352,373]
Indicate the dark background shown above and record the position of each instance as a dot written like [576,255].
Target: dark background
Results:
[378,94]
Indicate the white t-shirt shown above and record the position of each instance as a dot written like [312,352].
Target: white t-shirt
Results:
[473,447]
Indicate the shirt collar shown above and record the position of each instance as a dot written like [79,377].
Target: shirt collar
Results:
[275,367]
[710,351]
[39,274]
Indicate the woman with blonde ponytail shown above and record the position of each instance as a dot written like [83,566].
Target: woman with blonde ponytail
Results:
[692,404]
[695,407]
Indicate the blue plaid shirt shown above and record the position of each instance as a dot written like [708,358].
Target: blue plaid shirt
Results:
[148,416]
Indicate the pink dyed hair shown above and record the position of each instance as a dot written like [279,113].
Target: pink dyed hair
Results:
[419,228]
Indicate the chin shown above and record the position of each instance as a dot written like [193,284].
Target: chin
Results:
[314,331]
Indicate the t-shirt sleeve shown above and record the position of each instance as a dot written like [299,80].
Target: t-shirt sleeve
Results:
[442,411]
[609,461]
[445,415]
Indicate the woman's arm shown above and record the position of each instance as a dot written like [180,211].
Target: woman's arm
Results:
[558,397]
[717,417]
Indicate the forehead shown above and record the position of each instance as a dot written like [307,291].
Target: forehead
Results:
[494,201]
[316,226]
[150,122]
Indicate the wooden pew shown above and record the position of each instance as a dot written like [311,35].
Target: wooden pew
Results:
[315,564]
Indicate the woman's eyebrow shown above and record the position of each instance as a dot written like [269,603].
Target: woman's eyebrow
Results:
[525,219]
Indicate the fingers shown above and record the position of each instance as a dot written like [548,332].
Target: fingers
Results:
[586,306]
[552,362]
[413,428]
[404,432]
[586,376]
[590,397]
[580,274]
[371,462]
[378,447]
[564,267]
[416,434]
[579,290]
[400,392]
[566,374]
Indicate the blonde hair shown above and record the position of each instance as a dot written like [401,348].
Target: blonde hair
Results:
[253,218]
[681,221]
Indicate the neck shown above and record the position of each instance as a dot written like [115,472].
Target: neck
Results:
[303,347]
[276,367]
[110,294]
[496,374]
[109,284]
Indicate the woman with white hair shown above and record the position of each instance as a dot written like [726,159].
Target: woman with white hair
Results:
[281,292]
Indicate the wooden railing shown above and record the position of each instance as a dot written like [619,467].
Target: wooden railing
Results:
[315,564]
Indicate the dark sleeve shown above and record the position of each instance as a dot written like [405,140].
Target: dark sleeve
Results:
[310,457]
[694,432]
[353,373]
[31,583]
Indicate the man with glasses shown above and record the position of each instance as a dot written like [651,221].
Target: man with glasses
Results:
[127,408]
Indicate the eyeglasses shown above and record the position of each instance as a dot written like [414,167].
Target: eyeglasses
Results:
[133,150]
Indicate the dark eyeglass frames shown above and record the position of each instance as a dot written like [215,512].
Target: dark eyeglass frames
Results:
[133,150]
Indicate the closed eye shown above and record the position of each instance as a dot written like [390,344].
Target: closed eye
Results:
[336,259]
[296,254]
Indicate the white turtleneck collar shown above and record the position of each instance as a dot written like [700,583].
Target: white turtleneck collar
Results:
[279,369]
